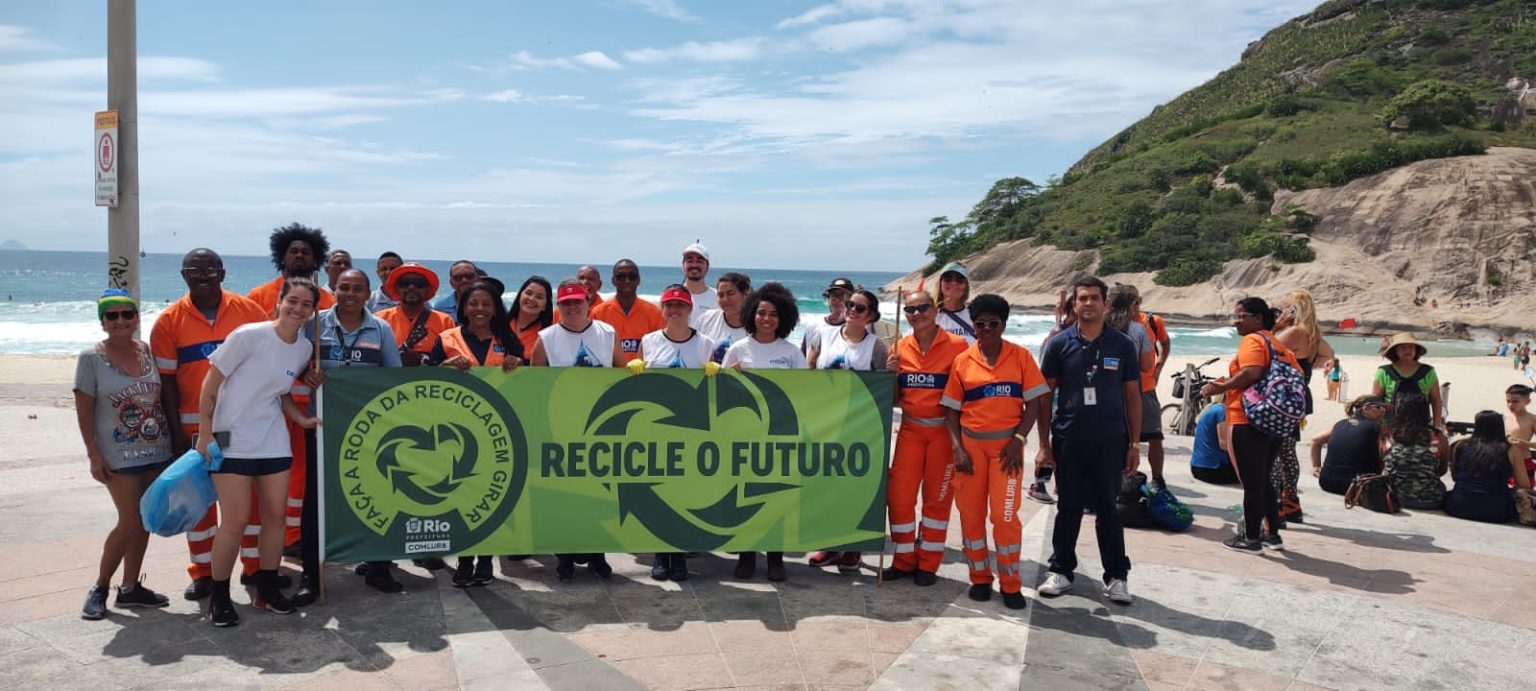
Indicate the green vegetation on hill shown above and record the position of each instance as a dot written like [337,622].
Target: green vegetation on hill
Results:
[1352,89]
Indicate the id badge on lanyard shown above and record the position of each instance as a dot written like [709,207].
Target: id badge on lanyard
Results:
[1090,392]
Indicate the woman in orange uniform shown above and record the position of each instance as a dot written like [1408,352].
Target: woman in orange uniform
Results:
[923,458]
[993,396]
[534,311]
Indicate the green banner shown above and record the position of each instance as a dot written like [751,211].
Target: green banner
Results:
[434,462]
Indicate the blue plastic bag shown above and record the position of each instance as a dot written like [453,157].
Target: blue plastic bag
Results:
[1166,511]
[179,498]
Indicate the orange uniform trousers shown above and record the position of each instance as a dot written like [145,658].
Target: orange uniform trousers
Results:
[989,493]
[923,461]
[200,538]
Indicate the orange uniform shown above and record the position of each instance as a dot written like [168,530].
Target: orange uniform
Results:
[266,295]
[1149,373]
[529,336]
[991,401]
[628,329]
[181,341]
[401,325]
[923,458]
[1252,352]
[454,345]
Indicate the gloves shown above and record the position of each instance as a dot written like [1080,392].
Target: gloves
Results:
[636,366]
[711,369]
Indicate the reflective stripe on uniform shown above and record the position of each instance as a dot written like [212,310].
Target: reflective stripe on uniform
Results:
[299,390]
[253,529]
[935,524]
[166,364]
[978,565]
[291,521]
[251,552]
[189,418]
[927,546]
[200,535]
[203,558]
[904,527]
[976,544]
[1007,549]
[904,547]
[296,503]
[987,435]
[923,421]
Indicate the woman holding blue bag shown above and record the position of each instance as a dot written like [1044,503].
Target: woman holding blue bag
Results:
[242,406]
[117,403]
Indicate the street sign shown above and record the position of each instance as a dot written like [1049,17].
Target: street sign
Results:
[106,158]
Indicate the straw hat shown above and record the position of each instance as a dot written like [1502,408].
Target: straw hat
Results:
[1404,338]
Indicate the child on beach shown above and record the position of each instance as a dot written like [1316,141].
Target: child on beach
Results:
[1520,425]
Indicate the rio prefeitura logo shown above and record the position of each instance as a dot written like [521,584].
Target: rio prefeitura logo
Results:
[444,482]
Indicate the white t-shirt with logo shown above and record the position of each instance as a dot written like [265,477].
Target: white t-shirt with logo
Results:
[837,353]
[591,347]
[957,323]
[702,302]
[713,325]
[663,352]
[752,354]
[258,368]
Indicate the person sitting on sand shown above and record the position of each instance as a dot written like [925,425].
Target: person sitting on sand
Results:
[1405,369]
[1354,445]
[1482,466]
[1416,459]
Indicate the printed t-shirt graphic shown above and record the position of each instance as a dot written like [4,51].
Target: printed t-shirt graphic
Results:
[713,325]
[258,367]
[590,347]
[751,354]
[643,318]
[661,351]
[837,353]
[183,339]
[957,323]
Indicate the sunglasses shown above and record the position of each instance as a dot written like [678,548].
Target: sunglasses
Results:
[124,314]
[857,308]
[412,283]
[988,324]
[201,273]
[626,277]
[917,309]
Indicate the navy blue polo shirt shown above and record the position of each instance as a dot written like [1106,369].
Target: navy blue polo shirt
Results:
[1076,364]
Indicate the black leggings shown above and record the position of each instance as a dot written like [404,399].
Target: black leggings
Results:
[1256,453]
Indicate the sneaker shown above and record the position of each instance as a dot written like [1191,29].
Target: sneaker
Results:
[1039,493]
[678,570]
[924,578]
[139,595]
[249,579]
[1241,543]
[464,575]
[1015,601]
[599,566]
[199,588]
[272,598]
[565,567]
[307,594]
[95,603]
[659,567]
[894,574]
[381,577]
[483,574]
[221,610]
[980,592]
[824,558]
[431,563]
[1272,542]
[1055,584]
[1118,591]
[850,562]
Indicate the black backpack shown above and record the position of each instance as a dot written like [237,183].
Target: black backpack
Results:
[1398,380]
[1133,502]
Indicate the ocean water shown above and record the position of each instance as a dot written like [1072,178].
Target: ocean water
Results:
[49,299]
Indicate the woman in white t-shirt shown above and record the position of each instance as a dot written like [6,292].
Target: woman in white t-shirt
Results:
[678,345]
[774,315]
[244,399]
[851,346]
[726,325]
[952,295]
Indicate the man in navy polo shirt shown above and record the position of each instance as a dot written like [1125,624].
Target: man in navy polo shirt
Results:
[1093,372]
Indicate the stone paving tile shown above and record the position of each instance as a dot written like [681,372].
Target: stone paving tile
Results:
[893,637]
[425,671]
[767,667]
[13,640]
[1160,668]
[615,642]
[1214,676]
[836,667]
[747,636]
[831,634]
[678,672]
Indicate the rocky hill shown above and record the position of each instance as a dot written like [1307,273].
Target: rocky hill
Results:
[1445,245]
[1347,143]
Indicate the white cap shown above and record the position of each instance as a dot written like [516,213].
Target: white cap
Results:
[697,248]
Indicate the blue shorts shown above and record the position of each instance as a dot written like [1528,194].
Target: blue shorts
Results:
[146,469]
[254,467]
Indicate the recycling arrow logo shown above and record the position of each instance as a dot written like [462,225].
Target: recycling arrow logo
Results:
[457,439]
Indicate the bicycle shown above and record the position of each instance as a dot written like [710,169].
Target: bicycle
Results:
[1179,418]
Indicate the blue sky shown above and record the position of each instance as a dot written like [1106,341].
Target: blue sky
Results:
[784,134]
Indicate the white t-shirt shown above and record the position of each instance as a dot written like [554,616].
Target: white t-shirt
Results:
[258,368]
[837,353]
[661,351]
[713,325]
[702,302]
[811,336]
[957,323]
[592,347]
[751,354]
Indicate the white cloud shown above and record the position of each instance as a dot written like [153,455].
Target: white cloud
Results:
[17,38]
[515,96]
[812,16]
[151,68]
[712,52]
[665,8]
[862,34]
[598,59]
[504,96]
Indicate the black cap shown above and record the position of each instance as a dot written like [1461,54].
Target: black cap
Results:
[841,284]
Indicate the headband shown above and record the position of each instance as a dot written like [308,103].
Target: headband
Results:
[114,296]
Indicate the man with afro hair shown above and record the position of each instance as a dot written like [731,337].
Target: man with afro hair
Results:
[296,251]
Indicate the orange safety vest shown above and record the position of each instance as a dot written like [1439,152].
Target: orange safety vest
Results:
[921,377]
[454,344]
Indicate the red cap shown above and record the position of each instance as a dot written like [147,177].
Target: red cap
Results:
[677,295]
[571,292]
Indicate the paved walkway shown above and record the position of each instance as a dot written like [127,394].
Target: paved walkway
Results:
[1359,600]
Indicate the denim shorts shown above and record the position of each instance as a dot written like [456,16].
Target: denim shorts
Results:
[146,469]
[254,467]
